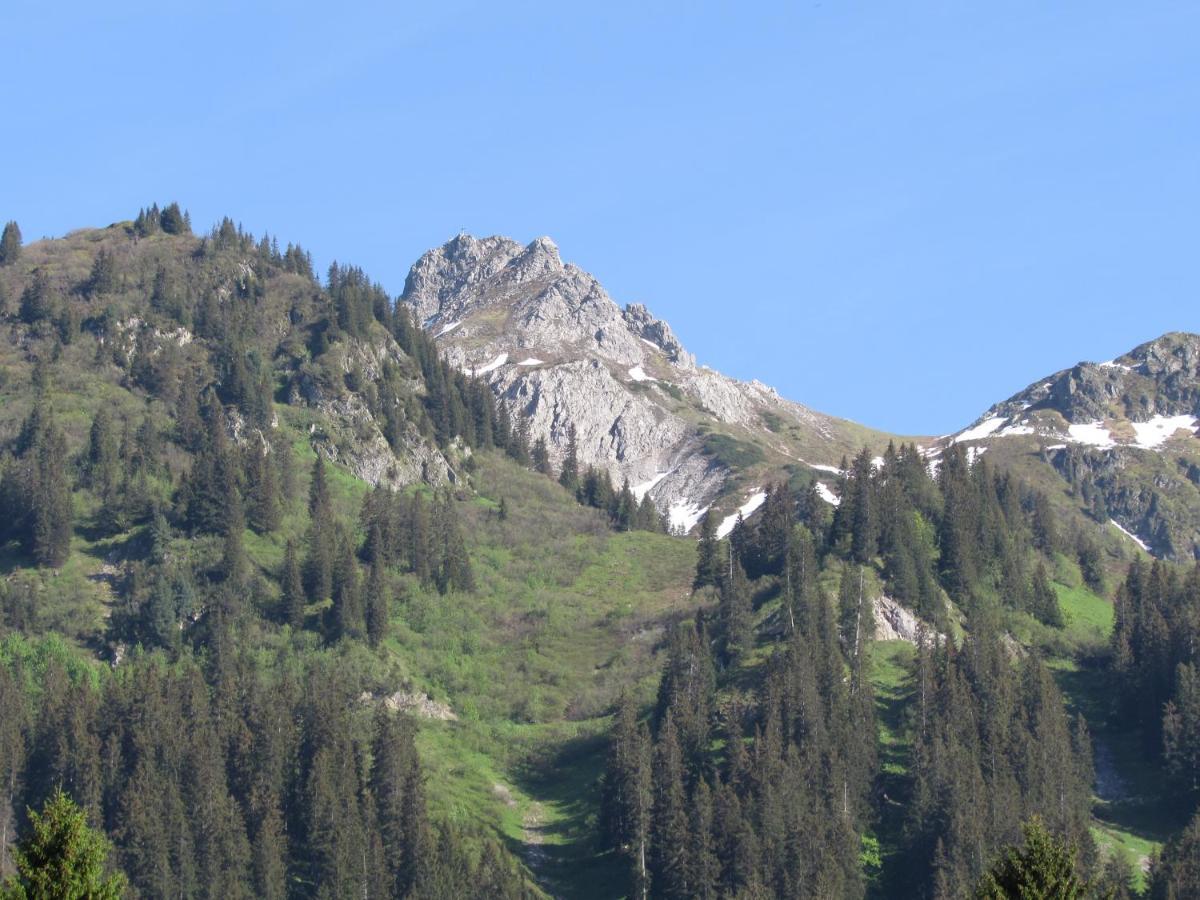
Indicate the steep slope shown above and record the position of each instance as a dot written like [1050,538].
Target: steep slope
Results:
[551,341]
[1123,436]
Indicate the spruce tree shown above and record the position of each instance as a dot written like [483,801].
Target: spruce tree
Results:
[708,566]
[569,475]
[62,856]
[10,244]
[1043,867]
[292,588]
[376,605]
[736,613]
[670,817]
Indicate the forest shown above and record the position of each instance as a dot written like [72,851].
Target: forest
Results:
[206,606]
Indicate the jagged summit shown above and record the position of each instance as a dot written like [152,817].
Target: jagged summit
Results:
[550,339]
[1140,399]
[1124,434]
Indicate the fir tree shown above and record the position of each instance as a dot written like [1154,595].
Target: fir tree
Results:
[569,475]
[1043,867]
[62,857]
[708,566]
[10,244]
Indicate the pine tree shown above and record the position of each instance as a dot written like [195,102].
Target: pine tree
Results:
[292,588]
[174,221]
[736,613]
[541,456]
[670,819]
[1043,602]
[103,278]
[377,605]
[62,857]
[1043,867]
[263,510]
[708,566]
[37,300]
[1176,873]
[625,793]
[10,244]
[1181,729]
[569,476]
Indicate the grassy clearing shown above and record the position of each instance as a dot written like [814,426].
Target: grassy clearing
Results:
[565,615]
[890,663]
[1089,618]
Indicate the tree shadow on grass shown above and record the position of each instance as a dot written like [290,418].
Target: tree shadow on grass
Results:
[560,845]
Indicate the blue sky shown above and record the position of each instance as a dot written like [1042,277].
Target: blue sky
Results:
[894,212]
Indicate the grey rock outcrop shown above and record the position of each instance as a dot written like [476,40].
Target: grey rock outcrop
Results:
[551,341]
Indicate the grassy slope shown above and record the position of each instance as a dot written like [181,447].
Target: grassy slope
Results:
[1132,815]
[566,614]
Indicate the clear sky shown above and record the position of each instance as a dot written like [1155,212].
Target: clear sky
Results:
[896,212]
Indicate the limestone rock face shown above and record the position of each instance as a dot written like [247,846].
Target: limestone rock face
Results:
[552,342]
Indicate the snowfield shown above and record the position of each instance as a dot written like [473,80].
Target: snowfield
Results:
[821,467]
[683,515]
[728,523]
[637,373]
[493,365]
[530,362]
[446,329]
[1094,434]
[1154,433]
[827,495]
[980,431]
[641,490]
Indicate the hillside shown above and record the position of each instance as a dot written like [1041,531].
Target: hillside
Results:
[1122,435]
[311,591]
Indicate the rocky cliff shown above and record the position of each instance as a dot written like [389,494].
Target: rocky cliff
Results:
[551,341]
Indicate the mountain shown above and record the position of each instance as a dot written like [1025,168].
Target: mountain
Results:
[552,343]
[258,523]
[1122,434]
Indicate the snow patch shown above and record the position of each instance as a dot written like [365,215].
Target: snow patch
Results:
[973,453]
[1092,433]
[637,373]
[980,431]
[492,366]
[1113,364]
[1154,433]
[1129,534]
[532,361]
[650,343]
[821,467]
[827,495]
[1016,430]
[728,523]
[1057,447]
[641,490]
[684,515]
[447,329]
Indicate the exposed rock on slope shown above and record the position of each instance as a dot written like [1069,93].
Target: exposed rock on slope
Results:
[549,339]
[1123,434]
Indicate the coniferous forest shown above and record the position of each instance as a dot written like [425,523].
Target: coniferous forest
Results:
[293,606]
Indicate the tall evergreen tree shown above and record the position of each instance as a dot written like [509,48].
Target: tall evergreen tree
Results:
[10,244]
[569,475]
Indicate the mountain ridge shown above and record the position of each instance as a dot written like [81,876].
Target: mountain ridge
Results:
[550,340]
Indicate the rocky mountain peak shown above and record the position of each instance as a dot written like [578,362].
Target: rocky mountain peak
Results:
[551,341]
[1124,433]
